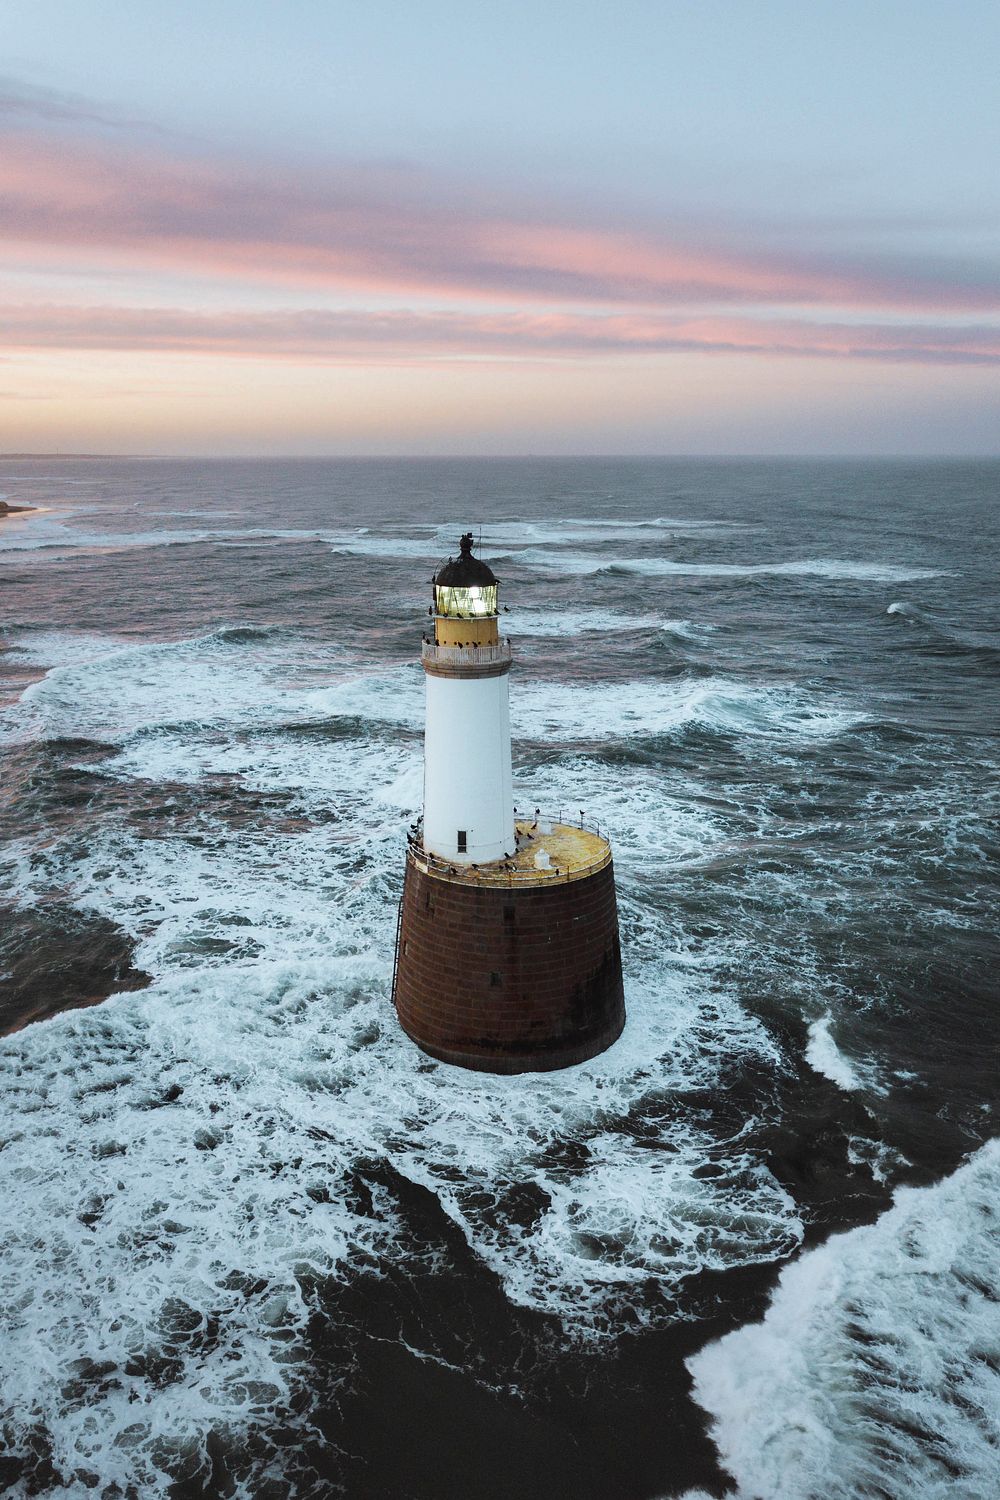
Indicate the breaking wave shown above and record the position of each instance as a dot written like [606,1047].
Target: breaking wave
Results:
[986,642]
[169,1141]
[831,568]
[109,690]
[569,622]
[876,1370]
[825,1056]
[199,1175]
[561,712]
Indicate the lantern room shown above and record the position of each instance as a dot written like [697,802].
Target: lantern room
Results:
[465,600]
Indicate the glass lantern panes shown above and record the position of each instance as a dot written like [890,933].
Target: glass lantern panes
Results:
[467,603]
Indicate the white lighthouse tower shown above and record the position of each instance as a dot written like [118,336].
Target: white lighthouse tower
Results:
[468,785]
[507,952]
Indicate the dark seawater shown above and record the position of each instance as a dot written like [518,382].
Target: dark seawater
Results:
[252,1242]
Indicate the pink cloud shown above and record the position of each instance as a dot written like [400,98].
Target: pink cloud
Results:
[94,198]
[321,335]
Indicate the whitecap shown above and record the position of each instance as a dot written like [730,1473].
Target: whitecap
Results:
[107,689]
[167,1139]
[875,1369]
[832,568]
[110,689]
[47,532]
[561,533]
[575,622]
[194,1142]
[557,711]
[823,1054]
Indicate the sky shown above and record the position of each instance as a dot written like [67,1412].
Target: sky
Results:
[293,227]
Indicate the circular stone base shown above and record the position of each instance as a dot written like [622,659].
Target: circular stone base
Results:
[509,979]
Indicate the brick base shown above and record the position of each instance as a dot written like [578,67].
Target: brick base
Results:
[509,980]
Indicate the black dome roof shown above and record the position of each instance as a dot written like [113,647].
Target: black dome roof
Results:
[465,572]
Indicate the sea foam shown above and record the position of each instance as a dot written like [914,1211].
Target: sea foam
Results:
[831,568]
[194,1143]
[110,691]
[825,1056]
[876,1370]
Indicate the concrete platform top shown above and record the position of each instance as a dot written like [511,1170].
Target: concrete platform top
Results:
[568,846]
[546,851]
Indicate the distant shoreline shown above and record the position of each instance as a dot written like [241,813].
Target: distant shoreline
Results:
[13,510]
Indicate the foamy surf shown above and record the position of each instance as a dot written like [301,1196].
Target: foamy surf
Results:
[107,690]
[561,712]
[823,1054]
[609,529]
[835,569]
[791,832]
[876,1370]
[170,1141]
[579,622]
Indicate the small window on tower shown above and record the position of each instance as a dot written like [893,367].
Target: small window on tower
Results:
[463,841]
[494,980]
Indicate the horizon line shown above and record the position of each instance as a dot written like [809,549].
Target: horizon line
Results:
[204,457]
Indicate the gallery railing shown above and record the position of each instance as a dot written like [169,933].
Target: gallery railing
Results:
[500,872]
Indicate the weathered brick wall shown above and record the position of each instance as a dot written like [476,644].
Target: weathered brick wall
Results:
[510,980]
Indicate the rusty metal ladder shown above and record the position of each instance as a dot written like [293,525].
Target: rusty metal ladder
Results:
[395,954]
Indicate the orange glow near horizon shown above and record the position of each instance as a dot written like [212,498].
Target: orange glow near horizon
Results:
[730,403]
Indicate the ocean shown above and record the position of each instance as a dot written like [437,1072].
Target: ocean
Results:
[253,1242]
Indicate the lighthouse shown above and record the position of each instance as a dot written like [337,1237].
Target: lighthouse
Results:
[507,950]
